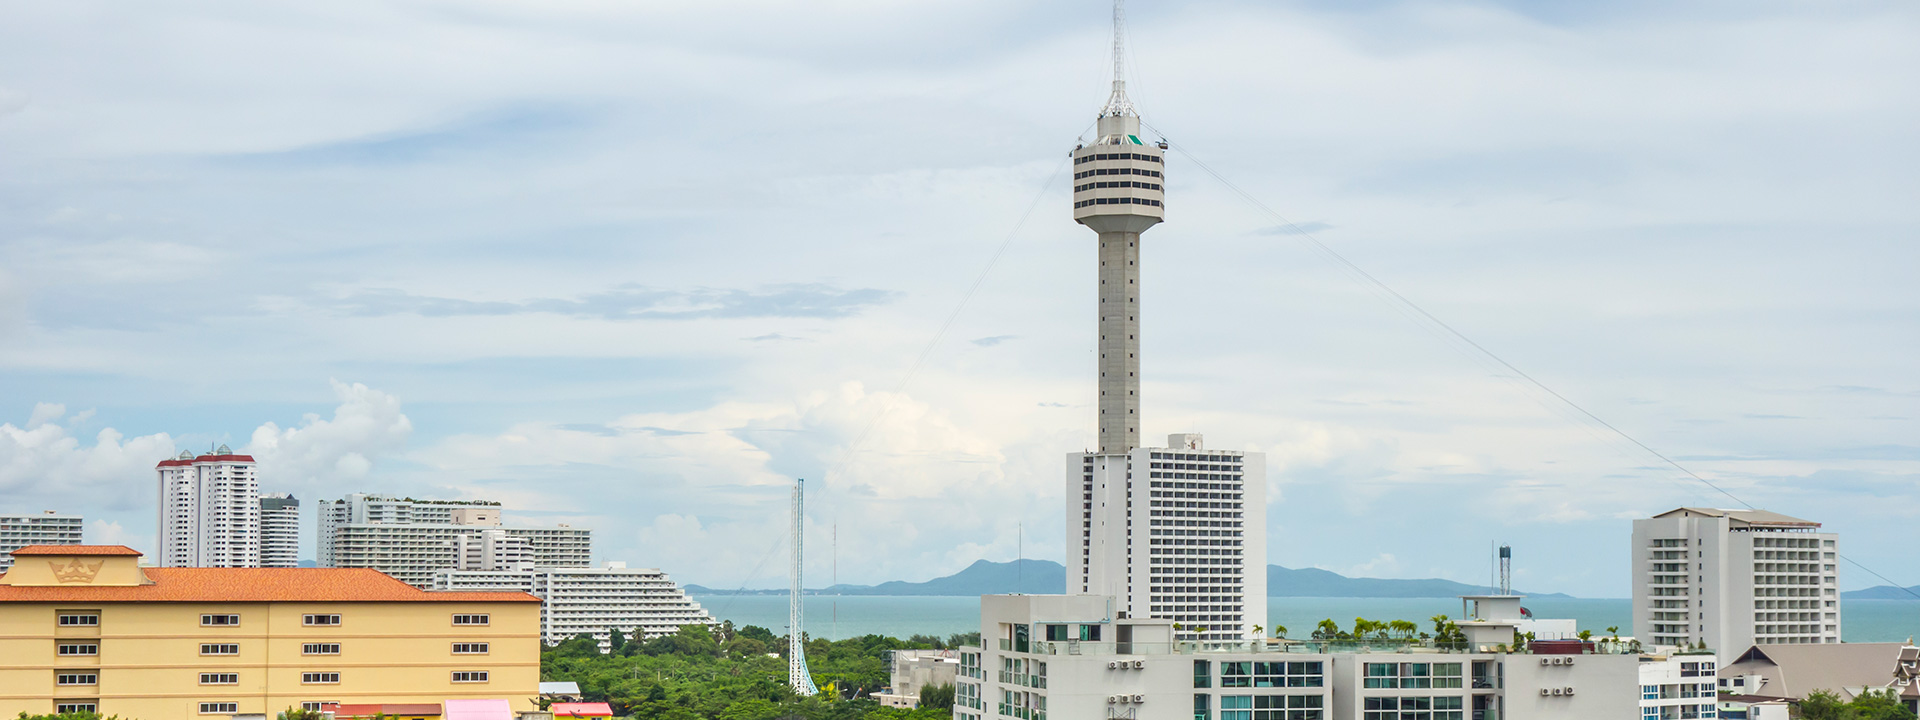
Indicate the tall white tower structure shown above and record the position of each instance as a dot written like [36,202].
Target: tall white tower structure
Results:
[279,530]
[209,510]
[797,675]
[1177,532]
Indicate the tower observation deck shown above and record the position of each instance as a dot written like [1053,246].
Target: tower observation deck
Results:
[1117,192]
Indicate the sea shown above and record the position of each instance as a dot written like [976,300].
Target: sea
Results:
[843,616]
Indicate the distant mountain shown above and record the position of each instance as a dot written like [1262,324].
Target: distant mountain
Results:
[1881,592]
[1042,577]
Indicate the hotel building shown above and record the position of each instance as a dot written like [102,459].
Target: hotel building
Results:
[89,629]
[640,602]
[279,531]
[1733,579]
[412,539]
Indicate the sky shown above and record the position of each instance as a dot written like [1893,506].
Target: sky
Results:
[637,266]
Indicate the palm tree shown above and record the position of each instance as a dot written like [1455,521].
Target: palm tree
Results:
[1280,631]
[1405,628]
[1614,630]
[1326,630]
[1439,624]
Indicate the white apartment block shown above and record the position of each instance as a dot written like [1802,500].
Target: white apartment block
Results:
[1733,579]
[641,602]
[413,539]
[1178,533]
[48,528]
[910,671]
[1072,657]
[1679,686]
[209,510]
[279,530]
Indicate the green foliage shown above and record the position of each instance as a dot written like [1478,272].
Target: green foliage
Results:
[937,697]
[1870,705]
[728,674]
[82,715]
[301,714]
[617,640]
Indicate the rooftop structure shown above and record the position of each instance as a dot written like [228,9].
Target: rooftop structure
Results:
[1792,671]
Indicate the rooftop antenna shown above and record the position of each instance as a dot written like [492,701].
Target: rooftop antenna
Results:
[797,675]
[1118,104]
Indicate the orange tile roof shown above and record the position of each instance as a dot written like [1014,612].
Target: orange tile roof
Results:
[75,550]
[255,585]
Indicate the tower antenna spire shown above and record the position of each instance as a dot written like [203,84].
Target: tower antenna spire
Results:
[1118,104]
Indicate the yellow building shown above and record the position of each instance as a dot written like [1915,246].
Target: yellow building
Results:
[85,627]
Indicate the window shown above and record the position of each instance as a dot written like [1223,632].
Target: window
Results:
[74,707]
[1202,706]
[1382,675]
[219,649]
[470,676]
[76,678]
[70,619]
[77,649]
[1202,673]
[469,648]
[219,621]
[320,649]
[317,705]
[319,620]
[1236,674]
[319,678]
[470,620]
[1236,707]
[219,708]
[219,679]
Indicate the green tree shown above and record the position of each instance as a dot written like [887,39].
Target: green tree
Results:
[616,641]
[937,697]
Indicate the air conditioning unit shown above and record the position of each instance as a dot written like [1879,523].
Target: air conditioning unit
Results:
[1111,699]
[1569,661]
[1546,661]
[1556,691]
[1111,664]
[1544,692]
[1569,691]
[1137,664]
[1139,698]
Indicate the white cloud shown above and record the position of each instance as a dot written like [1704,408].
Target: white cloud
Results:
[46,463]
[106,532]
[314,457]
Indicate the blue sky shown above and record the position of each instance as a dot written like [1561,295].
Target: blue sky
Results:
[634,266]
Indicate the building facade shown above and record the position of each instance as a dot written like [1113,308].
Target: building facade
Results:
[89,629]
[1734,578]
[209,510]
[413,539]
[48,528]
[1177,533]
[910,671]
[279,530]
[1072,657]
[639,602]
[1679,686]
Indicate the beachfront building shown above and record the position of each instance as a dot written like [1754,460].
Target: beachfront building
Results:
[90,629]
[209,510]
[1679,686]
[1732,579]
[1073,657]
[639,602]
[47,528]
[413,539]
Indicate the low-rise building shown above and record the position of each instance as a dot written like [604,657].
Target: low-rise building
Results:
[48,528]
[88,628]
[1790,672]
[1678,686]
[640,602]
[910,671]
[1074,658]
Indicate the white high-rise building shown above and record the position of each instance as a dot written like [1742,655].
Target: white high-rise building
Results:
[412,539]
[279,530]
[1734,579]
[1178,532]
[48,528]
[209,510]
[640,602]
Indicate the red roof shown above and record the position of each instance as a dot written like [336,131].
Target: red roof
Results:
[76,550]
[251,585]
[561,710]
[206,459]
